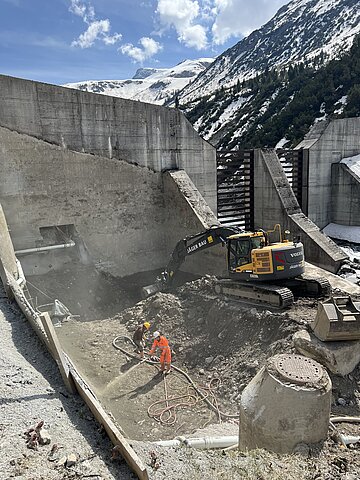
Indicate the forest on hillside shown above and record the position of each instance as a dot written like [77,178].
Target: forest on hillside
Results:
[281,103]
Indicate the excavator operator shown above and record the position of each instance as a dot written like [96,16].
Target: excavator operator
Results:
[162,343]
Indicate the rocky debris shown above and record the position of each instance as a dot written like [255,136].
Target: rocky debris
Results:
[37,435]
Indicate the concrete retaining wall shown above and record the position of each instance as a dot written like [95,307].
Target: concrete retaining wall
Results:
[345,196]
[275,202]
[152,136]
[328,144]
[116,208]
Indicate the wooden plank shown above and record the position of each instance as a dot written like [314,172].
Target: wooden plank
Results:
[129,454]
[56,351]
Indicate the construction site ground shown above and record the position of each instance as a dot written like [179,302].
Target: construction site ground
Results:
[219,342]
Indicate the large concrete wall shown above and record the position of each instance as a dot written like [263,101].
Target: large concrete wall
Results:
[326,145]
[345,196]
[152,136]
[275,202]
[117,208]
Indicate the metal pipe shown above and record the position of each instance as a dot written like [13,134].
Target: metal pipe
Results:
[345,419]
[204,443]
[348,439]
[45,249]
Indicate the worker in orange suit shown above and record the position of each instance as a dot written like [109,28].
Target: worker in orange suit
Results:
[165,358]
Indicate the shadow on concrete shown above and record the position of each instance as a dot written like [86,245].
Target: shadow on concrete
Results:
[28,398]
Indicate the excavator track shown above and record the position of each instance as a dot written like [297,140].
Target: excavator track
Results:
[307,286]
[260,293]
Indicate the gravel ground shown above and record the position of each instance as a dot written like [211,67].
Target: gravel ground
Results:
[31,390]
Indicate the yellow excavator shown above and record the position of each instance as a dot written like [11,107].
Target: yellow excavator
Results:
[260,270]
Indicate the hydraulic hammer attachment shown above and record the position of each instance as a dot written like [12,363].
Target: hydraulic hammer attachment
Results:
[337,319]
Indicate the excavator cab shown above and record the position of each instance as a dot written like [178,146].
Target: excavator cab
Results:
[240,249]
[252,256]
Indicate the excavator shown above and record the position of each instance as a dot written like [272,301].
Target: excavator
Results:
[260,269]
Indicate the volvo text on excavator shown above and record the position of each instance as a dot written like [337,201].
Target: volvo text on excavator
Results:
[260,270]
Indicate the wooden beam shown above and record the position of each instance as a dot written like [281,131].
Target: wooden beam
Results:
[125,449]
[56,351]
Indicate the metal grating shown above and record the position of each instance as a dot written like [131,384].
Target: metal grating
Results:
[235,183]
[235,188]
[292,163]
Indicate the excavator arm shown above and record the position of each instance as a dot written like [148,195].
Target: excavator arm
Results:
[189,246]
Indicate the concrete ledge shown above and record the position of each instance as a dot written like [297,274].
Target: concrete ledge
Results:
[339,357]
[319,249]
[188,213]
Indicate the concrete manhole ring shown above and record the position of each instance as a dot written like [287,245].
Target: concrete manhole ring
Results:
[298,369]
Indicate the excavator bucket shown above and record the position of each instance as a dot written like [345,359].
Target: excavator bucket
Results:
[150,290]
[337,318]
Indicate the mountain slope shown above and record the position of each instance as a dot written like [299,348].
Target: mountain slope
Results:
[280,105]
[300,31]
[152,85]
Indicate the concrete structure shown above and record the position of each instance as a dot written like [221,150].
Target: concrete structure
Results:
[345,195]
[111,209]
[331,192]
[151,136]
[275,202]
[88,168]
[285,404]
[7,255]
[339,357]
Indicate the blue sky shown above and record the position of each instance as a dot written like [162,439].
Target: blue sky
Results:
[61,41]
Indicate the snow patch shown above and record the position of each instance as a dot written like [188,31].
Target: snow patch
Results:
[343,232]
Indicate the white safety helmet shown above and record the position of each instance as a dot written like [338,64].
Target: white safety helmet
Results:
[156,334]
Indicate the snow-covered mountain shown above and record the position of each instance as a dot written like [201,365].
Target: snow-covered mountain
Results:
[151,85]
[299,32]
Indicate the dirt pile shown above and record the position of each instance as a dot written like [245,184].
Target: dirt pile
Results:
[215,337]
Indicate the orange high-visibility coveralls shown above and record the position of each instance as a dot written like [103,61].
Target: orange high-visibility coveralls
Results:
[165,357]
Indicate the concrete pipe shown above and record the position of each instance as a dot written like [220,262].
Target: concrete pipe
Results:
[286,403]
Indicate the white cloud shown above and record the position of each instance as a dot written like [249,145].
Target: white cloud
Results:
[149,48]
[97,29]
[184,16]
[240,17]
[194,36]
[197,20]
